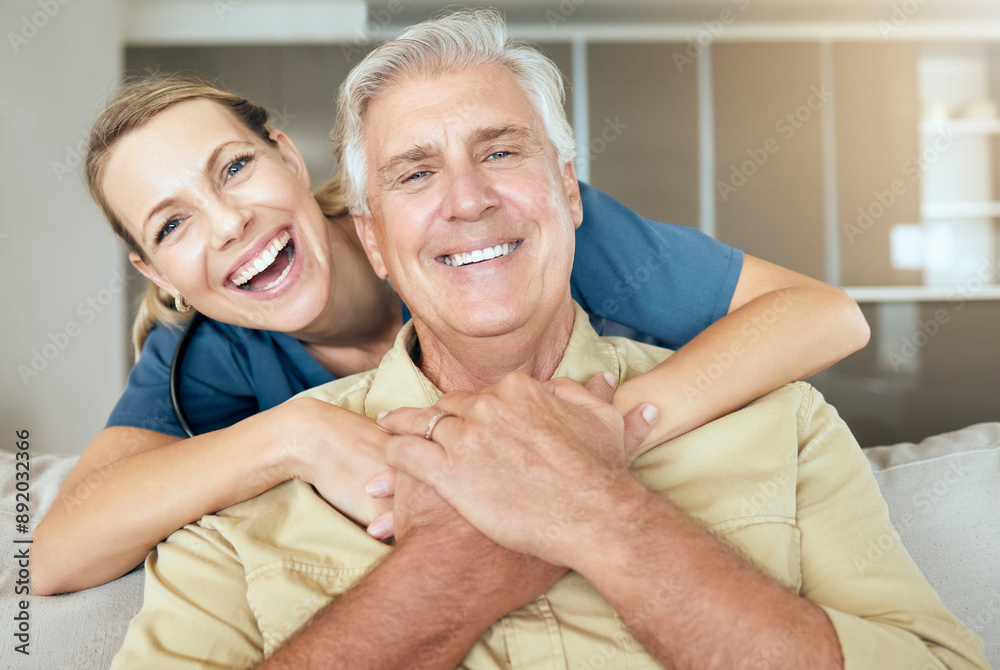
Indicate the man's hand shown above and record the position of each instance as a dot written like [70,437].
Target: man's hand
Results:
[507,580]
[597,395]
[419,508]
[531,465]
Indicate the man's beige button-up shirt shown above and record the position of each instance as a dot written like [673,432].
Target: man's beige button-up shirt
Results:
[782,481]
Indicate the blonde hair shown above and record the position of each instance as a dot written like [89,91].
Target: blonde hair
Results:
[454,42]
[135,103]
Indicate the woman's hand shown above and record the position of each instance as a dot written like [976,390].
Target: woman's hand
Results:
[337,451]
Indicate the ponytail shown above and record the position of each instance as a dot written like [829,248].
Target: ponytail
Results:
[156,306]
[331,198]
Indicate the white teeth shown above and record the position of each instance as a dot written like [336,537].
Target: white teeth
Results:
[489,253]
[257,265]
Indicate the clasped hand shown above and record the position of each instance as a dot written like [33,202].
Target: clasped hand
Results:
[529,464]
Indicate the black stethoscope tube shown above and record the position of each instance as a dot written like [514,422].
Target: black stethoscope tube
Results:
[175,373]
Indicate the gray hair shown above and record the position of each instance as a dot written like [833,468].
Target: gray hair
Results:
[456,41]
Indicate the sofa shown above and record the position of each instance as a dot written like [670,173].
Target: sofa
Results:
[942,495]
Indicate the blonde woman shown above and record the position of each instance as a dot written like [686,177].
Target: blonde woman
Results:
[216,210]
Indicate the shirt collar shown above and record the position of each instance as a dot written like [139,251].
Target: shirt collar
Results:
[400,383]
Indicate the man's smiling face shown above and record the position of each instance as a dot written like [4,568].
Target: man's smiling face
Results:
[472,217]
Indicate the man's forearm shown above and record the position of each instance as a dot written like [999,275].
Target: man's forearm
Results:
[423,607]
[404,614]
[695,603]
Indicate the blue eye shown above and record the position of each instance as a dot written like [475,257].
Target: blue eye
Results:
[498,154]
[167,228]
[417,175]
[233,168]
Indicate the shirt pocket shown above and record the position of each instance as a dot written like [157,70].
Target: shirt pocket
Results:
[771,545]
[738,485]
[286,594]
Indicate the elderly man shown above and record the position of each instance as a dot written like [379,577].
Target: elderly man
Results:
[736,545]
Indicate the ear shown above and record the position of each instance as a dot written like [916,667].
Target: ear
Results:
[151,273]
[291,157]
[366,234]
[572,187]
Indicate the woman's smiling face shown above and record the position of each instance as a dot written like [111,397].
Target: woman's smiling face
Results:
[226,219]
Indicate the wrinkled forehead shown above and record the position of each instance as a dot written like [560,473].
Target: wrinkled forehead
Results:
[422,113]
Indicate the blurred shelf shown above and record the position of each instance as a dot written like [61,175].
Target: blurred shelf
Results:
[960,210]
[960,293]
[961,127]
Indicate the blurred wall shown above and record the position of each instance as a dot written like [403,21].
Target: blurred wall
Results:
[63,353]
[67,315]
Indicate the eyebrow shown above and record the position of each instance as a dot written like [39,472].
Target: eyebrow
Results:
[515,132]
[420,152]
[170,201]
[408,157]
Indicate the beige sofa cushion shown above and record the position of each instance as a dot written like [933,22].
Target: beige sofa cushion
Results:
[75,631]
[941,493]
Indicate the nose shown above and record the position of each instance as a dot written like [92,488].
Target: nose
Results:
[468,192]
[228,222]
